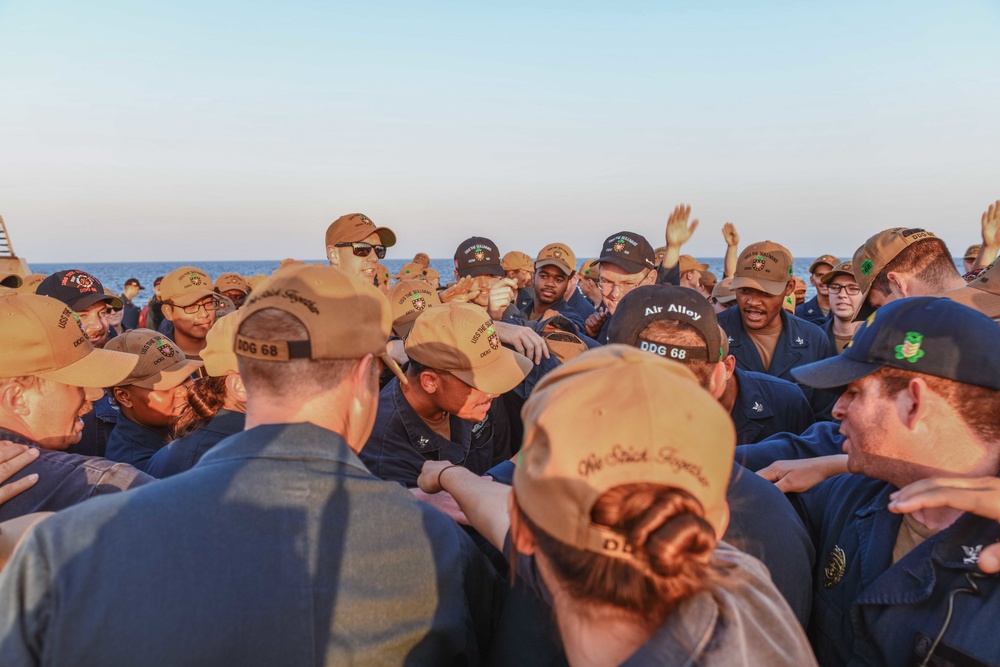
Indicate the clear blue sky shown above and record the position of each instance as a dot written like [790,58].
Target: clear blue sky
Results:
[236,130]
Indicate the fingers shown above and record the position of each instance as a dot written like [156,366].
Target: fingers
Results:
[773,472]
[693,226]
[989,559]
[13,459]
[977,495]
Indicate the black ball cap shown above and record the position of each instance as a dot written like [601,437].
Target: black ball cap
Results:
[77,289]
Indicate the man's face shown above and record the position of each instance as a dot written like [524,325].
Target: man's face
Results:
[157,408]
[800,292]
[615,283]
[131,291]
[484,284]
[691,279]
[816,278]
[550,285]
[522,277]
[867,419]
[758,309]
[461,400]
[350,263]
[968,264]
[196,324]
[94,321]
[844,305]
[55,413]
[237,296]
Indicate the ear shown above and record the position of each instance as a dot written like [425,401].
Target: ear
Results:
[730,362]
[429,382]
[333,255]
[122,396]
[913,404]
[168,311]
[234,386]
[717,382]
[789,288]
[12,398]
[650,277]
[899,283]
[522,538]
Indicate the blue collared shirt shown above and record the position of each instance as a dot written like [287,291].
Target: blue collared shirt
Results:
[183,453]
[133,443]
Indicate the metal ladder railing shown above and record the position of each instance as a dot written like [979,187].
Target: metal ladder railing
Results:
[6,249]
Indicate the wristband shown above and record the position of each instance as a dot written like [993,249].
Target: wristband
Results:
[448,467]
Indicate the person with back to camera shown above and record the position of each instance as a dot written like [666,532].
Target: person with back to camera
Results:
[615,519]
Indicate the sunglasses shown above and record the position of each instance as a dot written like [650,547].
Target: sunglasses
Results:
[364,249]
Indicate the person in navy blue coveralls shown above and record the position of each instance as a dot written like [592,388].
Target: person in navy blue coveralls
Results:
[900,583]
[817,309]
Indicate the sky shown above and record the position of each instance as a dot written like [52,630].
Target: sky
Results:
[142,131]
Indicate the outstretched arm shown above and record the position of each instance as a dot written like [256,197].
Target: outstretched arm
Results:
[483,501]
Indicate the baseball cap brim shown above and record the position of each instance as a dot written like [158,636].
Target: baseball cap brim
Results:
[865,309]
[88,300]
[391,364]
[772,287]
[833,372]
[189,298]
[170,378]
[11,280]
[506,372]
[555,262]
[623,264]
[482,270]
[100,368]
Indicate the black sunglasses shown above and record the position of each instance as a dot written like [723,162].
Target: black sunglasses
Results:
[362,249]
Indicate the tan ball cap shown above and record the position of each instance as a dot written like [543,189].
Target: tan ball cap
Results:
[723,292]
[408,298]
[617,415]
[461,339]
[764,266]
[689,263]
[842,269]
[411,270]
[231,281]
[823,259]
[345,318]
[355,227]
[591,269]
[41,336]
[557,254]
[515,260]
[186,285]
[31,281]
[161,365]
[219,355]
[423,259]
[972,252]
[10,280]
[875,254]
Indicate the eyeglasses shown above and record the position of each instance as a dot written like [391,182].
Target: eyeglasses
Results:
[210,306]
[608,287]
[364,249]
[852,290]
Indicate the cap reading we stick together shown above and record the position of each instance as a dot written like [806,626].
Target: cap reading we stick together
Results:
[580,439]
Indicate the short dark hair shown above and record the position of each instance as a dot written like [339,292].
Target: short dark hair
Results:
[927,259]
[675,332]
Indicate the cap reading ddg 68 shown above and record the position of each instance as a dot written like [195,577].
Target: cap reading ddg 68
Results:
[581,439]
[650,303]
[345,319]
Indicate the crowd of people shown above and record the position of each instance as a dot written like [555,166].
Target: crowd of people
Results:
[537,461]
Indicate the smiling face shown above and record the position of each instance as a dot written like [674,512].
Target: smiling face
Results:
[155,408]
[55,413]
[817,277]
[759,310]
[550,285]
[94,321]
[193,325]
[615,283]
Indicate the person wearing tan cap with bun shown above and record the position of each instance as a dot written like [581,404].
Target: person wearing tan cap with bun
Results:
[354,244]
[215,408]
[450,406]
[51,373]
[190,305]
[618,520]
[150,398]
[279,547]
[901,262]
[765,338]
